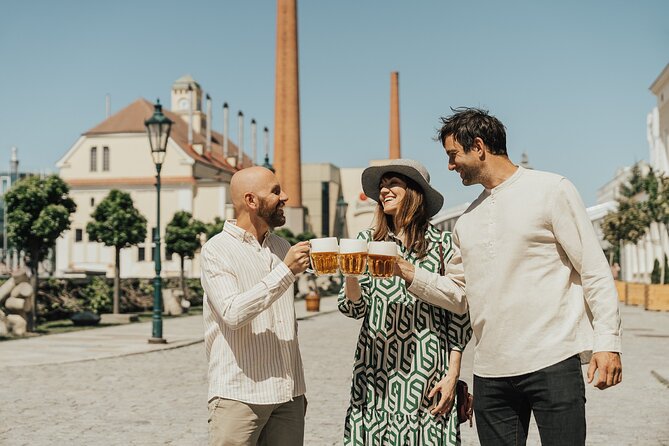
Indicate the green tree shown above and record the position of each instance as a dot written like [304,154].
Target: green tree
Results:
[116,222]
[182,237]
[215,227]
[38,212]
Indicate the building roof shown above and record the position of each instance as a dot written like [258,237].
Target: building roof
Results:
[131,120]
[660,80]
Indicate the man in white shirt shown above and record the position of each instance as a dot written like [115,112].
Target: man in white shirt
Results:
[256,380]
[536,283]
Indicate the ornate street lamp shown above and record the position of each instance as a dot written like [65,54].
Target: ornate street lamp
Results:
[158,128]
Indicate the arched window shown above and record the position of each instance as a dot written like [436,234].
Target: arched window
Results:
[94,159]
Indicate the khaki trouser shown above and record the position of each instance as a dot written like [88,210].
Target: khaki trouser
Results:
[234,423]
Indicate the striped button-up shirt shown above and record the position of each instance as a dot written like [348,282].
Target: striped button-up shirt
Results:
[249,319]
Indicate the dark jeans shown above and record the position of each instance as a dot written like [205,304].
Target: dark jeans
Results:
[556,395]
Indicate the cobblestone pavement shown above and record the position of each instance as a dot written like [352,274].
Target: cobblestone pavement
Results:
[159,398]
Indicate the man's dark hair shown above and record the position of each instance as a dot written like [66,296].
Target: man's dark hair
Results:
[466,123]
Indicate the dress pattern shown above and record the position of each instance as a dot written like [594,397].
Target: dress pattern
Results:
[402,352]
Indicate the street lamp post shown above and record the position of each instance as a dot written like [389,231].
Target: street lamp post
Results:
[158,128]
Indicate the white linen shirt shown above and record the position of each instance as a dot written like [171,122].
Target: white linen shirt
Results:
[249,319]
[535,277]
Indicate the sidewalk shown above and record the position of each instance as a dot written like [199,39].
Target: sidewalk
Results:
[119,340]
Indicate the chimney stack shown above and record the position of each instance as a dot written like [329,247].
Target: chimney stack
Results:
[253,142]
[208,123]
[394,116]
[226,129]
[240,136]
[266,164]
[190,115]
[287,109]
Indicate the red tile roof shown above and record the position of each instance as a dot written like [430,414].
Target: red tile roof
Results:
[131,120]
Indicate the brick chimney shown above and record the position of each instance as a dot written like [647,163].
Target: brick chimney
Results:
[287,160]
[394,116]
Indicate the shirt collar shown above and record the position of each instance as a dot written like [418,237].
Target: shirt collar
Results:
[506,183]
[240,234]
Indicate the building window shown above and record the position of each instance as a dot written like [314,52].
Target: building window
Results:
[92,202]
[78,235]
[168,254]
[153,253]
[94,159]
[141,255]
[153,233]
[105,159]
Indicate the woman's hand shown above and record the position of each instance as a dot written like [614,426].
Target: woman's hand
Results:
[446,391]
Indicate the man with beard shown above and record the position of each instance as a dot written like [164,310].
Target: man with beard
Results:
[537,283]
[256,381]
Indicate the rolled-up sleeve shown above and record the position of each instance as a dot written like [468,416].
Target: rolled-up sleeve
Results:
[574,231]
[233,306]
[446,291]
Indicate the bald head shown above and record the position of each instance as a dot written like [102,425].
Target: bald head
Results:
[256,180]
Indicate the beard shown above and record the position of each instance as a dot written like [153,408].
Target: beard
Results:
[273,216]
[469,176]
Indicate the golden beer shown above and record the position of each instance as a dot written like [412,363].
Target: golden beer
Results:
[381,266]
[353,263]
[324,262]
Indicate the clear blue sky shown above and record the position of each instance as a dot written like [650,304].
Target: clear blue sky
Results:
[569,79]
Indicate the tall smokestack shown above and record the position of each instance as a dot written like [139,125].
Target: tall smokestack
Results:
[287,108]
[253,141]
[240,136]
[208,123]
[14,166]
[266,164]
[226,129]
[107,105]
[190,115]
[394,116]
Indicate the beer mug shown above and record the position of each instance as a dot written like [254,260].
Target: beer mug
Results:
[352,256]
[324,252]
[381,258]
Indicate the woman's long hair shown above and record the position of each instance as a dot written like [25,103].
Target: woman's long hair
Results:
[410,218]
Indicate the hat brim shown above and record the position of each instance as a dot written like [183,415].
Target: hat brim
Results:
[371,178]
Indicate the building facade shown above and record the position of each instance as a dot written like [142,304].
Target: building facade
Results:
[115,154]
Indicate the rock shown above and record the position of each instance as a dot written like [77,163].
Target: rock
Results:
[17,305]
[6,288]
[16,324]
[23,289]
[172,304]
[20,276]
[85,318]
[3,324]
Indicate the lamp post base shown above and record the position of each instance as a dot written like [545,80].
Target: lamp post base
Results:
[157,341]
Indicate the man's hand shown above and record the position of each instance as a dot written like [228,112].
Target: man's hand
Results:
[609,369]
[404,270]
[446,390]
[297,257]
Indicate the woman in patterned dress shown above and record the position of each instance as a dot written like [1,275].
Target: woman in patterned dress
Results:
[407,360]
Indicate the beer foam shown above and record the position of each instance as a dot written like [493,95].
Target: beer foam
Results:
[347,245]
[327,244]
[382,248]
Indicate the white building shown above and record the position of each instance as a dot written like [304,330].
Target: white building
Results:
[115,154]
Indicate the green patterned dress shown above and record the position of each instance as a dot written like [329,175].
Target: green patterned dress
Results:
[402,352]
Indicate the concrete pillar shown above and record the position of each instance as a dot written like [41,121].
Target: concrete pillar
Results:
[394,116]
[287,162]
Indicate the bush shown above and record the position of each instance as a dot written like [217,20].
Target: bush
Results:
[98,296]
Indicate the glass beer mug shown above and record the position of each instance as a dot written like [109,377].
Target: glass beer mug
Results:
[381,258]
[352,256]
[323,252]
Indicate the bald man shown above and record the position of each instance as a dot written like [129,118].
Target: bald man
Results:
[256,381]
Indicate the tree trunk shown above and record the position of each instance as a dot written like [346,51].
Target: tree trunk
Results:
[34,281]
[117,279]
[182,281]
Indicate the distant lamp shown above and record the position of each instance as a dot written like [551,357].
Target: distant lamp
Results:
[158,128]
[342,207]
